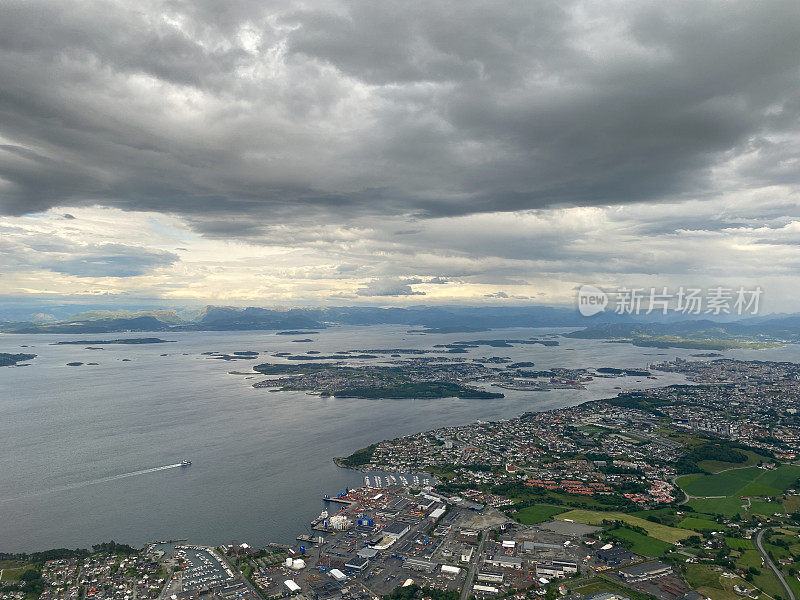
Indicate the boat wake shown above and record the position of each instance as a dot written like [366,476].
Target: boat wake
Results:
[81,484]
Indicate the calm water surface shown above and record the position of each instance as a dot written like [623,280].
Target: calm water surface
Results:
[80,445]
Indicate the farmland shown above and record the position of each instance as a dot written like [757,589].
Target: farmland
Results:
[700,524]
[655,530]
[637,542]
[722,493]
[719,484]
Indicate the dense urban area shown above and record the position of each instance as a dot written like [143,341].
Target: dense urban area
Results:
[676,493]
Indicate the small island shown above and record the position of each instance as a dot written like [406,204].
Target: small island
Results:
[146,340]
[449,329]
[11,360]
[294,332]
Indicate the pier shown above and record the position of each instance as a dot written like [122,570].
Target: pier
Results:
[339,500]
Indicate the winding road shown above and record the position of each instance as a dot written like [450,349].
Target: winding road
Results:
[768,562]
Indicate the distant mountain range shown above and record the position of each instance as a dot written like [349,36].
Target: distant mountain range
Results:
[610,326]
[701,334]
[222,318]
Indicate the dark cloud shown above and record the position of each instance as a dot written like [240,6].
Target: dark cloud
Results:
[244,114]
[496,295]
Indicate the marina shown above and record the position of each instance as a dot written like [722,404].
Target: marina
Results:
[203,568]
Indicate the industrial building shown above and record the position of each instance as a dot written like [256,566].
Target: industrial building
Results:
[358,564]
[556,568]
[490,577]
[529,546]
[397,529]
[450,570]
[418,564]
[645,572]
[614,556]
[506,562]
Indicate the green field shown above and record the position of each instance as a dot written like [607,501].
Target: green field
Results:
[708,582]
[734,484]
[772,483]
[749,558]
[14,573]
[728,506]
[538,513]
[791,504]
[719,484]
[640,544]
[714,466]
[749,481]
[769,583]
[762,507]
[656,530]
[740,544]
[795,585]
[701,524]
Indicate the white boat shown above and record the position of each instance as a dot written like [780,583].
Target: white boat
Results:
[185,463]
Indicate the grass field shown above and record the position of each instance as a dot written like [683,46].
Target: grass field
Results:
[701,524]
[749,558]
[641,544]
[14,573]
[740,544]
[734,484]
[656,530]
[772,483]
[714,466]
[769,583]
[763,507]
[795,585]
[749,481]
[719,484]
[744,553]
[791,504]
[702,575]
[728,506]
[538,513]
[708,582]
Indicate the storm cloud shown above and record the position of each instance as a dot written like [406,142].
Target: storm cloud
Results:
[249,113]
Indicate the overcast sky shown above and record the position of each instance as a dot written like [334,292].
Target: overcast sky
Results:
[251,152]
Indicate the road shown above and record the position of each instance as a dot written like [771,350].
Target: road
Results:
[467,589]
[768,562]
[168,578]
